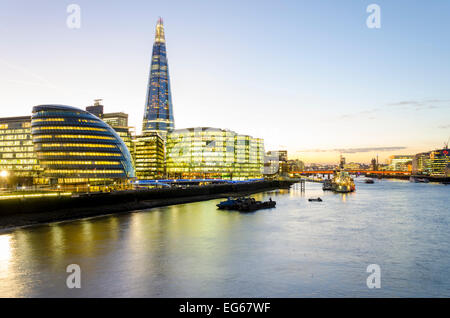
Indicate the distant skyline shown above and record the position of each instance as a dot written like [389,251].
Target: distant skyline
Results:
[306,76]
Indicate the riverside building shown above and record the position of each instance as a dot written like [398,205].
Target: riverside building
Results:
[73,146]
[18,161]
[212,153]
[400,162]
[149,157]
[433,163]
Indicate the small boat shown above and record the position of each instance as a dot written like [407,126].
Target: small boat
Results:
[369,181]
[419,180]
[327,185]
[315,200]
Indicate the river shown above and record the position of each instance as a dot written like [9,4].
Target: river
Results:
[298,249]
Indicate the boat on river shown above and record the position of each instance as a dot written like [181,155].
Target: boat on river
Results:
[418,180]
[327,185]
[342,182]
[245,204]
[369,181]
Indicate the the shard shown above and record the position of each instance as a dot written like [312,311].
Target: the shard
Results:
[158,115]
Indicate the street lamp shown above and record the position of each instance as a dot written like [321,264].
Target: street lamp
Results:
[4,174]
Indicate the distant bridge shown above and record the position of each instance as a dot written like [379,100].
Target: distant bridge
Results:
[170,182]
[356,172]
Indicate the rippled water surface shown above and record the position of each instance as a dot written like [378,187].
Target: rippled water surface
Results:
[299,249]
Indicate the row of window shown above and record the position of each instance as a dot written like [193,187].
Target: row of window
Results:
[16,143]
[57,162]
[82,154]
[101,171]
[14,137]
[74,137]
[69,128]
[78,145]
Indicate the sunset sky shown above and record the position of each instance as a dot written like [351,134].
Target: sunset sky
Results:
[307,76]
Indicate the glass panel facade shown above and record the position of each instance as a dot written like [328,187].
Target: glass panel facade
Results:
[149,157]
[213,153]
[158,114]
[80,147]
[434,163]
[17,156]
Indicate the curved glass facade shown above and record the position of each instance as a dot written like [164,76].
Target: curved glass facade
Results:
[76,146]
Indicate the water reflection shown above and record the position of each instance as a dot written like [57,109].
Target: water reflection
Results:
[300,248]
[5,254]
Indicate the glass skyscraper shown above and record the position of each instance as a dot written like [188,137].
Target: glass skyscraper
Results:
[158,115]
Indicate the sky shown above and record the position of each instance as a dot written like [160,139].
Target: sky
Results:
[306,76]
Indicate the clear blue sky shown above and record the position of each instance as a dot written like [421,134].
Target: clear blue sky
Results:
[307,76]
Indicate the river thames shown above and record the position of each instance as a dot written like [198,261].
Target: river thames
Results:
[298,249]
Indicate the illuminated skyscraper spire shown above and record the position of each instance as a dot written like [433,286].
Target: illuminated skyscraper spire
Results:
[158,115]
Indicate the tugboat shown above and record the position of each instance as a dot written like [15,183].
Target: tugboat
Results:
[327,185]
[370,181]
[342,182]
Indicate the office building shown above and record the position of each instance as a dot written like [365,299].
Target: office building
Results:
[18,161]
[204,152]
[433,163]
[149,157]
[400,162]
[73,146]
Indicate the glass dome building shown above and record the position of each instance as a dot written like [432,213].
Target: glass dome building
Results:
[74,146]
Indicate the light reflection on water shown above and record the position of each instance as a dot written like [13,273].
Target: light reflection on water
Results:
[299,249]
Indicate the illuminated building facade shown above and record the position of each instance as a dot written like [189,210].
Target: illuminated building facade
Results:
[352,166]
[433,163]
[17,157]
[158,114]
[74,146]
[213,153]
[400,162]
[115,119]
[149,157]
[439,160]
